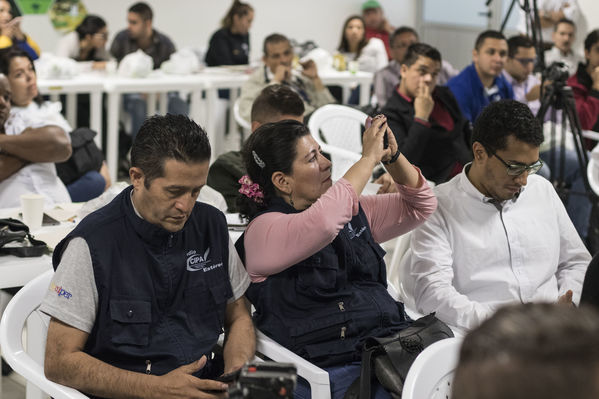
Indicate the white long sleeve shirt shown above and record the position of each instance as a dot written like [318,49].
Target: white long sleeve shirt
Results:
[469,258]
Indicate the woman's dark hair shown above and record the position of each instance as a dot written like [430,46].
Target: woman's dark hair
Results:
[237,8]
[6,56]
[271,148]
[90,25]
[344,44]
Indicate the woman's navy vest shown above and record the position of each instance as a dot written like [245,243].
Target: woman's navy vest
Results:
[326,305]
[162,295]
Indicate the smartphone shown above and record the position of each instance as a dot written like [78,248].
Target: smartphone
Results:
[230,377]
[47,220]
[368,123]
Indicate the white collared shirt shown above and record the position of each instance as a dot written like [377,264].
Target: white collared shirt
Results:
[469,258]
[40,177]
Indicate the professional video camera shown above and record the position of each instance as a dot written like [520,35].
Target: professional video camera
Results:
[264,380]
[557,72]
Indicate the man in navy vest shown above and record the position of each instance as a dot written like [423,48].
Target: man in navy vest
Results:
[145,285]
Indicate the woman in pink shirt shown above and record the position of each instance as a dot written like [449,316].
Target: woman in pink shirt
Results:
[311,247]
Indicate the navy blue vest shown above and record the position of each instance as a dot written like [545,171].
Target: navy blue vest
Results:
[162,295]
[326,305]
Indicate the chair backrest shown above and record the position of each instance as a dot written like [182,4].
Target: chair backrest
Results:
[239,119]
[593,170]
[338,131]
[431,374]
[24,304]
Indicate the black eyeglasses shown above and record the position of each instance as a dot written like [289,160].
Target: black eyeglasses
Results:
[516,169]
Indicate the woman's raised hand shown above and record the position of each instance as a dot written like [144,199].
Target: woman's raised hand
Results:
[373,140]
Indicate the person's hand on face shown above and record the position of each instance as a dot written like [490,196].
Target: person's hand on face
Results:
[372,141]
[282,73]
[423,103]
[309,69]
[13,29]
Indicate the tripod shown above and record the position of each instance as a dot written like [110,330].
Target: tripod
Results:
[533,28]
[559,96]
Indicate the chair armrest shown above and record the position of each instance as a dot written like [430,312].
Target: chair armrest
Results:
[316,377]
[33,372]
[354,156]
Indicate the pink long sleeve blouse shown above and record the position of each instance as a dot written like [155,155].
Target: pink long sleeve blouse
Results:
[275,241]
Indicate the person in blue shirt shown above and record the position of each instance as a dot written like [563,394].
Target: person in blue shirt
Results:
[482,83]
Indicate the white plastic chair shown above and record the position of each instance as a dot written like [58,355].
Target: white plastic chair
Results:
[30,365]
[593,170]
[431,374]
[316,377]
[337,129]
[245,125]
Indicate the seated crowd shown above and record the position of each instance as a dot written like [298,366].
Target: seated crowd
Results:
[154,278]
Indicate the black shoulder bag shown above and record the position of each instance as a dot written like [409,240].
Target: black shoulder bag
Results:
[389,359]
[86,156]
[13,230]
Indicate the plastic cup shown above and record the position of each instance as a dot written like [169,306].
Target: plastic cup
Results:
[32,207]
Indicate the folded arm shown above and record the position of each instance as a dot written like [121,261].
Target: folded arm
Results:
[44,144]
[9,165]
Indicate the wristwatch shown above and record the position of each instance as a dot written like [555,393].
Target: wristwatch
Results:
[393,158]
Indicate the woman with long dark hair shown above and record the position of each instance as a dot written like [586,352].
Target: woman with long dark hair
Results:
[87,42]
[369,53]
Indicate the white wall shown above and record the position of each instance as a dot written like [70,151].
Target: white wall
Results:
[191,22]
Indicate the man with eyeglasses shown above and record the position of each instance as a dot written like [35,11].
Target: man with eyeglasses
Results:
[500,234]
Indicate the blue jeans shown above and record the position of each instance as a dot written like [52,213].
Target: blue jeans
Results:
[578,205]
[88,186]
[341,377]
[137,107]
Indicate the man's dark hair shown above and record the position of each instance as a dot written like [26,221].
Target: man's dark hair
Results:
[547,351]
[168,137]
[90,25]
[420,49]
[143,10]
[564,21]
[271,148]
[400,31]
[591,39]
[276,100]
[488,34]
[272,39]
[514,42]
[505,118]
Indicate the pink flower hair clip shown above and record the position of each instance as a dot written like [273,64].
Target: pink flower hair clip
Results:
[251,190]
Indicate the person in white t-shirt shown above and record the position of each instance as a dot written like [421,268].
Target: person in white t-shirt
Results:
[369,53]
[27,155]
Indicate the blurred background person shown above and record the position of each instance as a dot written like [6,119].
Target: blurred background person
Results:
[11,33]
[355,46]
[376,23]
[230,45]
[87,42]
